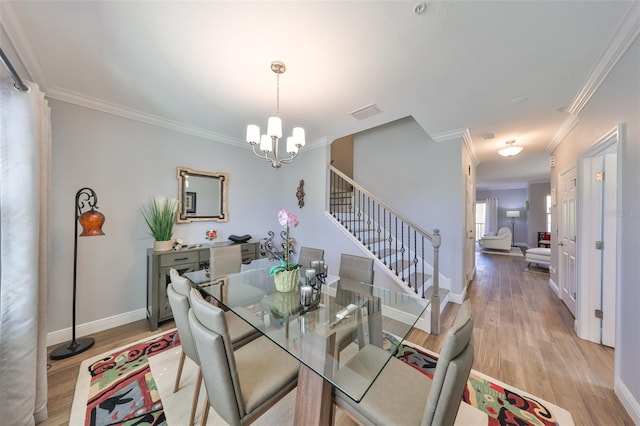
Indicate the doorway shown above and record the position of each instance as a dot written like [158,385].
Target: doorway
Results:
[599,245]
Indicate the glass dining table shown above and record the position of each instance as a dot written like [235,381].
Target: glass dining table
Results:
[342,318]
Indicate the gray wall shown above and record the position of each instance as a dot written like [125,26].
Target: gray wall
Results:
[422,179]
[616,101]
[126,162]
[510,199]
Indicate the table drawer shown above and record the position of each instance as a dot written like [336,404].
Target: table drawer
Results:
[178,258]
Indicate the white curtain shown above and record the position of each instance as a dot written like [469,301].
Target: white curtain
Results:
[25,156]
[491,215]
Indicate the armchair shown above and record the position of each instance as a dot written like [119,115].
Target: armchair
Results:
[500,241]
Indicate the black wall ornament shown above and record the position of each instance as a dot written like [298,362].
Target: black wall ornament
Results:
[300,194]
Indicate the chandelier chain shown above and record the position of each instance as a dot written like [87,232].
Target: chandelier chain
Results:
[278,94]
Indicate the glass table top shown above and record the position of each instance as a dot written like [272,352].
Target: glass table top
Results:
[345,318]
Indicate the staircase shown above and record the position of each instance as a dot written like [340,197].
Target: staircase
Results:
[409,253]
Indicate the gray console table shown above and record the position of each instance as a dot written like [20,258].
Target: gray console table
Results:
[185,260]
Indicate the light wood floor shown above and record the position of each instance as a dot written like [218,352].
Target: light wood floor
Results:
[523,336]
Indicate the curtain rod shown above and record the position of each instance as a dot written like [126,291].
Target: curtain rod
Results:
[18,84]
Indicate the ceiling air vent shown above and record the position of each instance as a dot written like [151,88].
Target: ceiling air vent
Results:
[366,112]
[552,161]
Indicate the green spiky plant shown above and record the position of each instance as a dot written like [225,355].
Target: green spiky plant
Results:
[160,214]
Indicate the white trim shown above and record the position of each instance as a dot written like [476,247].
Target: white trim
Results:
[60,336]
[562,132]
[625,34]
[155,120]
[458,298]
[626,398]
[459,134]
[554,287]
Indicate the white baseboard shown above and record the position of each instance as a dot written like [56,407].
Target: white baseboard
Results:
[626,398]
[554,287]
[60,336]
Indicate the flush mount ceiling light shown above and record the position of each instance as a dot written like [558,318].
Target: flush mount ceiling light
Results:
[269,141]
[510,150]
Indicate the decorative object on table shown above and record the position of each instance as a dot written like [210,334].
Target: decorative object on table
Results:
[306,295]
[211,234]
[310,277]
[300,194]
[240,238]
[91,221]
[160,214]
[321,270]
[178,244]
[269,142]
[286,274]
[282,304]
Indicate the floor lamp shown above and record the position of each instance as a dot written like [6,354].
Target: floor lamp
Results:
[513,214]
[91,221]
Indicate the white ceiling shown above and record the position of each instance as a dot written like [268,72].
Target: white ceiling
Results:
[205,66]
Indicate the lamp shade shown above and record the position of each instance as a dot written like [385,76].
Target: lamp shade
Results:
[253,134]
[511,151]
[513,213]
[265,144]
[91,221]
[274,127]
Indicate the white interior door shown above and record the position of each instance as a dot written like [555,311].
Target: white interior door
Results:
[568,272]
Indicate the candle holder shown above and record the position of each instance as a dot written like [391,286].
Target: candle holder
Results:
[321,273]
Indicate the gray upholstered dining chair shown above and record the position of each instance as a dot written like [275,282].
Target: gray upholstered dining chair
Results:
[401,395]
[307,254]
[241,383]
[240,331]
[225,260]
[359,270]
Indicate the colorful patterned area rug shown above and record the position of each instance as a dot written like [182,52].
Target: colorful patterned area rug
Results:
[122,390]
[503,405]
[125,388]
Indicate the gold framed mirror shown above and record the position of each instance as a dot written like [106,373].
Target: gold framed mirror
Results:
[202,196]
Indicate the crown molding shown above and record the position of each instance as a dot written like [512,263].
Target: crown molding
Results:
[562,132]
[625,34]
[459,134]
[144,117]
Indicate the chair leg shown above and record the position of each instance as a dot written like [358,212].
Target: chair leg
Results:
[179,373]
[205,412]
[196,394]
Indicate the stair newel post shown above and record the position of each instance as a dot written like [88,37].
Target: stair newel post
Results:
[435,298]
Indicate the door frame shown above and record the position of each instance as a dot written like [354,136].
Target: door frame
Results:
[588,327]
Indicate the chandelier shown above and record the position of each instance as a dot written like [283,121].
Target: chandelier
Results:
[268,143]
[511,149]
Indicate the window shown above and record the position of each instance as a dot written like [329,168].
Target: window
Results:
[480,218]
